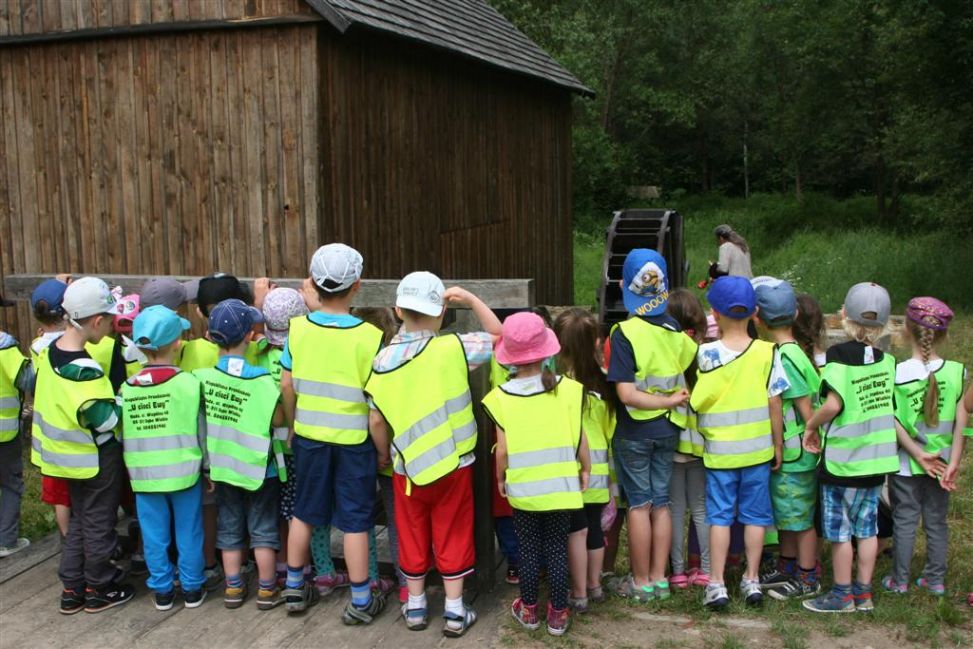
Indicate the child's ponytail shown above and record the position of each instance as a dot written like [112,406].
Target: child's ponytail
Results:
[927,320]
[930,402]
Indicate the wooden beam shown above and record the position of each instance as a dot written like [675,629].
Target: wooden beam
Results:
[158,28]
[497,293]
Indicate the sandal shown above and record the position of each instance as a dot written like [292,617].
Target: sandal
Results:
[680,581]
[416,619]
[457,625]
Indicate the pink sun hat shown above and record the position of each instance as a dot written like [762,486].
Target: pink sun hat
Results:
[525,339]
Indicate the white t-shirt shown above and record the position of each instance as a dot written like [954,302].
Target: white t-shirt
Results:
[907,372]
[44,341]
[716,354]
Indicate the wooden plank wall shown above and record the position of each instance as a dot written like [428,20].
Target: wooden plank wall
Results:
[437,164]
[23,17]
[173,154]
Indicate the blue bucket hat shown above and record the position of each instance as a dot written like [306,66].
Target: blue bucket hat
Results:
[645,285]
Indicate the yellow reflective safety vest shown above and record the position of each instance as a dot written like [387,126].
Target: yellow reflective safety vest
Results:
[330,367]
[239,413]
[61,446]
[160,442]
[662,357]
[909,399]
[543,434]
[103,352]
[11,362]
[733,411]
[427,404]
[269,359]
[861,441]
[690,441]
[794,458]
[599,426]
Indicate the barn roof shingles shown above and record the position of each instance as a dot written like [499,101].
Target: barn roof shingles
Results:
[471,28]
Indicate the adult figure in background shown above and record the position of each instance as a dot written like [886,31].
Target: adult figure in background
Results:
[734,256]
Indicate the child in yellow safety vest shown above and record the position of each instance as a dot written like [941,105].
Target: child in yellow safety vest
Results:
[579,335]
[242,404]
[543,462]
[16,379]
[423,425]
[75,419]
[738,412]
[930,421]
[854,431]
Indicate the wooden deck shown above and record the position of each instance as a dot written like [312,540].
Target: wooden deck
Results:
[29,617]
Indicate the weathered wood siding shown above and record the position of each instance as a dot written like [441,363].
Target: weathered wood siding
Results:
[179,154]
[438,164]
[24,17]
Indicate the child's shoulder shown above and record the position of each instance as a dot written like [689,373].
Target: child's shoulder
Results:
[7,341]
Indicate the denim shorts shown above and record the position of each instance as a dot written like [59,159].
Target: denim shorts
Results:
[739,495]
[849,512]
[245,513]
[644,468]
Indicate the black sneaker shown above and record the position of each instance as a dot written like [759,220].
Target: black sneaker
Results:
[137,566]
[97,601]
[194,598]
[796,588]
[72,601]
[353,615]
[298,600]
[773,579]
[163,601]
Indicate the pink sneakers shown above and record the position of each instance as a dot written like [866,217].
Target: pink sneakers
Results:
[526,615]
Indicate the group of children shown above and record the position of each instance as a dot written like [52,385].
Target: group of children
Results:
[294,413]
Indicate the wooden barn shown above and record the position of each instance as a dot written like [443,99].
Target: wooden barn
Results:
[188,136]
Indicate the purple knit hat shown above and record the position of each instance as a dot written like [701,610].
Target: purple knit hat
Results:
[929,313]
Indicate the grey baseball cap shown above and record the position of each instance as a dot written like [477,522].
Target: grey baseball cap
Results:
[163,291]
[868,304]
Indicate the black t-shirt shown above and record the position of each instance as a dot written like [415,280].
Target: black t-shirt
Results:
[848,353]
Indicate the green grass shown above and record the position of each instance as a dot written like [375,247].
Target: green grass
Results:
[821,245]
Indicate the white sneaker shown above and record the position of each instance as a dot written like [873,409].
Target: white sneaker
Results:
[716,596]
[7,550]
[752,594]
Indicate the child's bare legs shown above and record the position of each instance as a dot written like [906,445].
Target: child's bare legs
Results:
[417,587]
[453,588]
[595,560]
[841,558]
[578,562]
[753,543]
[266,564]
[356,556]
[640,542]
[807,548]
[298,543]
[233,561]
[719,546]
[62,514]
[867,553]
[661,542]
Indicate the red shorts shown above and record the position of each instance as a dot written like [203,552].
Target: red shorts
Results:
[54,491]
[436,518]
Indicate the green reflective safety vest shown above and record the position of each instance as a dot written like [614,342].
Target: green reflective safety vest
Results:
[330,367]
[11,362]
[599,426]
[428,406]
[733,413]
[860,441]
[543,433]
[909,400]
[160,434]
[795,458]
[661,358]
[269,359]
[239,412]
[61,447]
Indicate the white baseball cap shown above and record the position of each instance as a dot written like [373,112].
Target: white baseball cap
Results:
[336,267]
[86,297]
[422,292]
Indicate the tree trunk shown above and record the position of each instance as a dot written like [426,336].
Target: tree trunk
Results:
[798,190]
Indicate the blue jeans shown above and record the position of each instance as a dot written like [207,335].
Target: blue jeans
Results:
[507,536]
[644,469]
[158,514]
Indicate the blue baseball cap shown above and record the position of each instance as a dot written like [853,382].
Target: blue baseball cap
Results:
[645,287]
[730,292]
[231,320]
[50,291]
[157,326]
[776,301]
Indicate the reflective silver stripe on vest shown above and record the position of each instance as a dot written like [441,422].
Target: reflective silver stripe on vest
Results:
[882,422]
[35,443]
[733,418]
[230,463]
[944,428]
[457,405]
[56,434]
[738,447]
[794,441]
[161,443]
[546,487]
[329,390]
[104,438]
[8,424]
[430,457]
[70,460]
[597,482]
[9,403]
[464,432]
[599,456]
[230,434]
[860,454]
[165,472]
[338,421]
[660,382]
[790,417]
[435,419]
[543,456]
[281,433]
